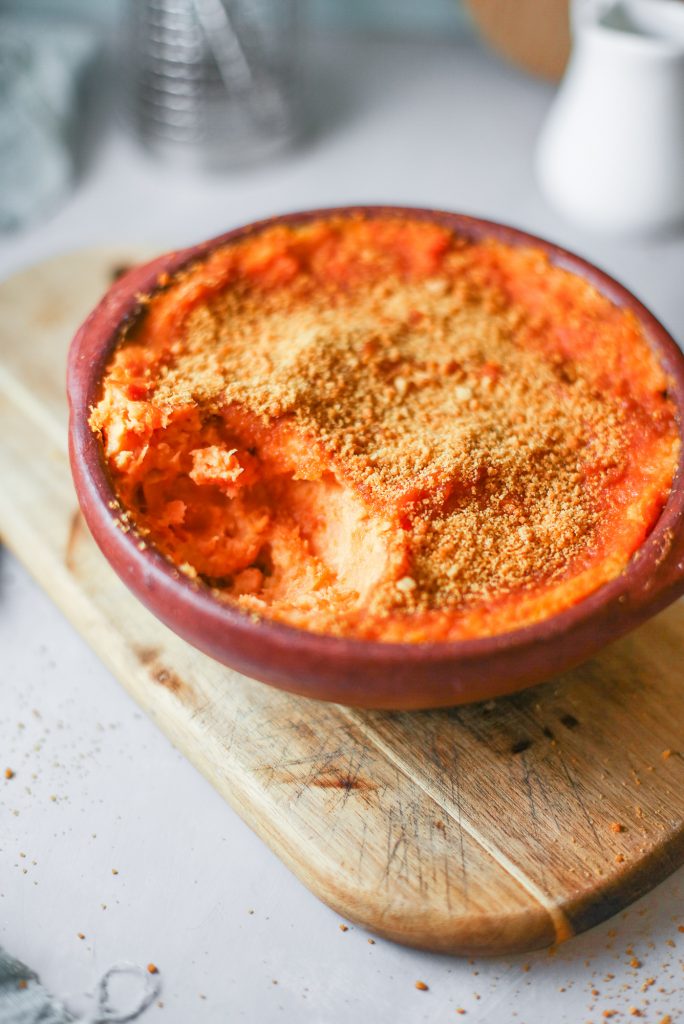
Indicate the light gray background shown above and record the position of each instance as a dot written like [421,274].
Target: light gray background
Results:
[97,786]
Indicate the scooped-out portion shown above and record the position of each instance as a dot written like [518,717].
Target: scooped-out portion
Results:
[372,427]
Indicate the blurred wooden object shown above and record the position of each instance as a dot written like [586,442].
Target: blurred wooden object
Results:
[532,34]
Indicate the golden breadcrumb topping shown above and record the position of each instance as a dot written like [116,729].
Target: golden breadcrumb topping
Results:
[483,408]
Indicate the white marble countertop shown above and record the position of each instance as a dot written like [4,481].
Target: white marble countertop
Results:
[97,787]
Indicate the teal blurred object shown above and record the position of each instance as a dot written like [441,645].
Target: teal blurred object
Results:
[40,70]
[429,17]
[23,1000]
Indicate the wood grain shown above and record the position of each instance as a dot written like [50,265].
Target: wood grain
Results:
[488,829]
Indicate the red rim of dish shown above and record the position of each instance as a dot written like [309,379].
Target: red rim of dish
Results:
[652,578]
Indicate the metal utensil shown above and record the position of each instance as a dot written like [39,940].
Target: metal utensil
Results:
[213,83]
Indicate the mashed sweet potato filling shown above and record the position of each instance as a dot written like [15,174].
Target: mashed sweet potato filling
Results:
[373,427]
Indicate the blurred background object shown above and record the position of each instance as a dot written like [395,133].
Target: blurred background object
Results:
[213,82]
[532,35]
[611,152]
[218,85]
[41,73]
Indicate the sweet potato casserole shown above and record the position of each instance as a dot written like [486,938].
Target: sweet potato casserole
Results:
[375,428]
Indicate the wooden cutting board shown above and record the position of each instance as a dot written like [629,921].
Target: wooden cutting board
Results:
[486,829]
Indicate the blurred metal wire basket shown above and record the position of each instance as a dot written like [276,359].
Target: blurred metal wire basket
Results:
[213,82]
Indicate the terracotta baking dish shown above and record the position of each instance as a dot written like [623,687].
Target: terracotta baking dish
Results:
[353,671]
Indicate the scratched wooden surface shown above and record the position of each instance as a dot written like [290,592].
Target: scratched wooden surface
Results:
[487,829]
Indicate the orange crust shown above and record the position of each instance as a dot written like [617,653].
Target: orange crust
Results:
[376,428]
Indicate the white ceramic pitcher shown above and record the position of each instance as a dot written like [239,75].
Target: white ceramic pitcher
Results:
[611,153]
